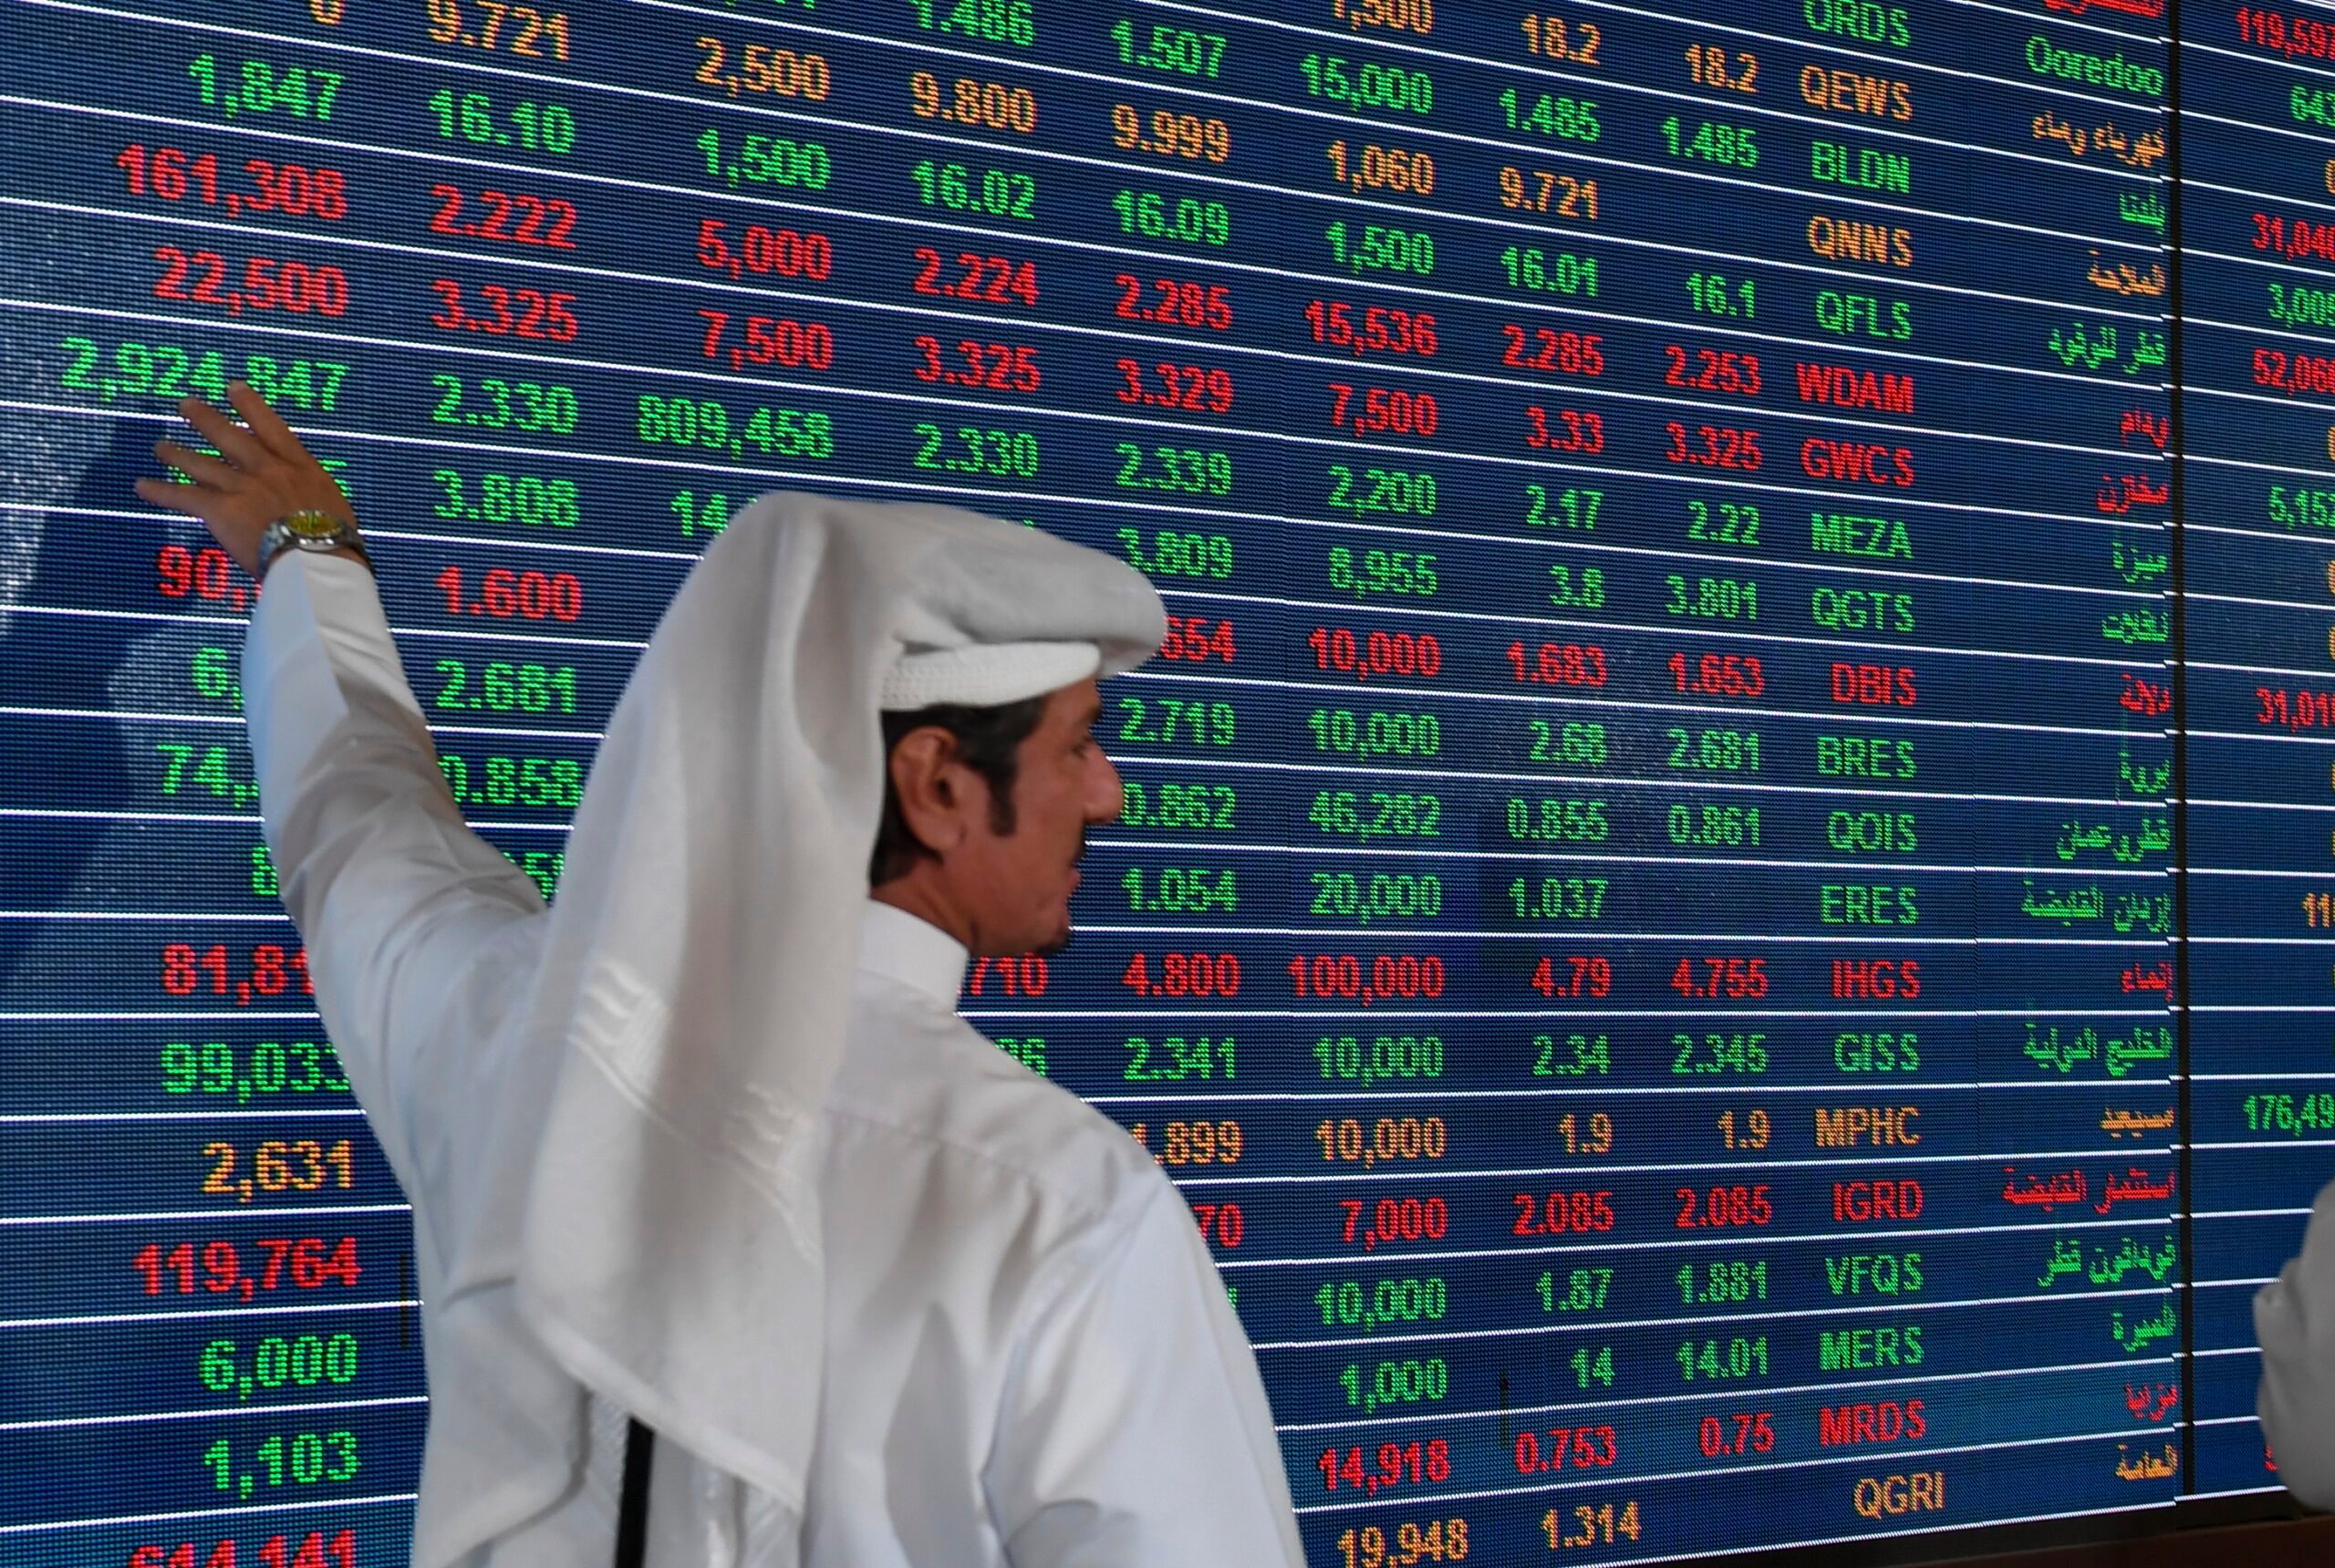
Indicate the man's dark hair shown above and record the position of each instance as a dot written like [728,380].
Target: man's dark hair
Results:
[989,741]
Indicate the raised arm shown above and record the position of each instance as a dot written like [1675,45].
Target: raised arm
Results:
[400,905]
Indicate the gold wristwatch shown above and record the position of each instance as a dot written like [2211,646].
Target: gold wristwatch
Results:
[310,529]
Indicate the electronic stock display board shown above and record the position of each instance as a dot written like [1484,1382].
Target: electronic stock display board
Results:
[1720,903]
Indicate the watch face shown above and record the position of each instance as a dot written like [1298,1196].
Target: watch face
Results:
[313,524]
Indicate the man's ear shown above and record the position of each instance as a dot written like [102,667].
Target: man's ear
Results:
[928,782]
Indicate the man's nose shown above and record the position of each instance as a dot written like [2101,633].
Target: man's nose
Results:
[1108,797]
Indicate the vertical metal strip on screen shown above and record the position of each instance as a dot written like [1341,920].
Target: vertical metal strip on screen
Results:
[2180,736]
[2253,599]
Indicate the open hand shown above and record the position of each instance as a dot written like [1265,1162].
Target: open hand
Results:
[263,472]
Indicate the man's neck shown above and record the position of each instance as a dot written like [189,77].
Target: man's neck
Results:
[912,895]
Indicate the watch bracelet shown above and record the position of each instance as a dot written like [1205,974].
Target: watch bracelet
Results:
[278,539]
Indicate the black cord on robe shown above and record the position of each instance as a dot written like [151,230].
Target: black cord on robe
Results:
[632,1509]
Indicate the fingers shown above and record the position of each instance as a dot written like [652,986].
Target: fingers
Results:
[201,467]
[193,500]
[266,424]
[261,470]
[242,447]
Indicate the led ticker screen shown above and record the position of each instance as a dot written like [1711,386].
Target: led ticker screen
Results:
[1718,902]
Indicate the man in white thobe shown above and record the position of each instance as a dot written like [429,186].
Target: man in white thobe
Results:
[705,1145]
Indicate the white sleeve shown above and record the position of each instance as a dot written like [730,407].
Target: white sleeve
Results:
[2294,1317]
[396,899]
[1135,1432]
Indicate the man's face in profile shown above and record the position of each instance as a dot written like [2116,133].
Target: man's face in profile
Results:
[1017,885]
